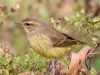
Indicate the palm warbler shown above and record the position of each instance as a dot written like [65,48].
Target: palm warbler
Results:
[46,40]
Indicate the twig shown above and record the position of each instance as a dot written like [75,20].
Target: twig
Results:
[75,21]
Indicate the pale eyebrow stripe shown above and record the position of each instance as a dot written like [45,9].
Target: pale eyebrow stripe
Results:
[37,23]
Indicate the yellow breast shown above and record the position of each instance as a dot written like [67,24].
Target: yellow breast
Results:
[43,45]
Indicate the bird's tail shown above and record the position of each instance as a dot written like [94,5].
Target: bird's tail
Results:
[80,42]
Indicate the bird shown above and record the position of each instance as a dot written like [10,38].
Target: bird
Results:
[46,40]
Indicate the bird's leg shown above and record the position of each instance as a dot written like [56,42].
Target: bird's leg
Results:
[53,66]
[49,68]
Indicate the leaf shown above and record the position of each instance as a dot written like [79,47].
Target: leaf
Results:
[76,59]
[25,73]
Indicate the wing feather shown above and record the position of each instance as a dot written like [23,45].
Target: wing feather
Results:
[60,39]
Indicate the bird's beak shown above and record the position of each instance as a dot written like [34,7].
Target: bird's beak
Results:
[19,23]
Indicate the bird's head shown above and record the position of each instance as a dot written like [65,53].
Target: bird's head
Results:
[32,23]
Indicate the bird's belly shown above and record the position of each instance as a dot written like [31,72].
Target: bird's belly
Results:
[43,45]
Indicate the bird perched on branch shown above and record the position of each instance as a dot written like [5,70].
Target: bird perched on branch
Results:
[45,40]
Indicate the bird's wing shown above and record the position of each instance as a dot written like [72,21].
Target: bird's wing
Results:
[70,41]
[59,38]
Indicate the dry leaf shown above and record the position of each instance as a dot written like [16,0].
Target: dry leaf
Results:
[76,59]
[25,73]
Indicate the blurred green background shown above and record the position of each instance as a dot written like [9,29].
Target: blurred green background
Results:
[14,36]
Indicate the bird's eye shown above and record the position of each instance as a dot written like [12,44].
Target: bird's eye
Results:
[27,24]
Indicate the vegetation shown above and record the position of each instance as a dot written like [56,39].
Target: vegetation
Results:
[75,18]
